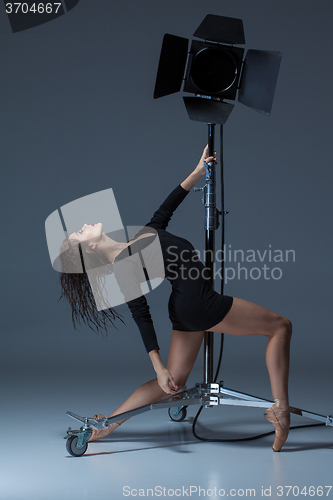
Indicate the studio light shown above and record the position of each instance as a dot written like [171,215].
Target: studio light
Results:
[214,70]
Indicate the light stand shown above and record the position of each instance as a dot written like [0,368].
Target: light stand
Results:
[256,88]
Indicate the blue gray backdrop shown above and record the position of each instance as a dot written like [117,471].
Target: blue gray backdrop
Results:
[78,116]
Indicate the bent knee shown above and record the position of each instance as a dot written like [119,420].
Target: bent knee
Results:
[284,326]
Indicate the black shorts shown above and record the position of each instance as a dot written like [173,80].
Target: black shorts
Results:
[192,314]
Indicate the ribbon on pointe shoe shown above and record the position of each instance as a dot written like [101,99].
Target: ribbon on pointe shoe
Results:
[279,416]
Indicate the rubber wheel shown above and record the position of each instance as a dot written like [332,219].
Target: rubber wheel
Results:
[72,449]
[177,418]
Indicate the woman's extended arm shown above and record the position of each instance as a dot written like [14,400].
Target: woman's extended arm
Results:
[198,172]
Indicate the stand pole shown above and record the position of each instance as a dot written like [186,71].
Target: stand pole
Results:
[210,226]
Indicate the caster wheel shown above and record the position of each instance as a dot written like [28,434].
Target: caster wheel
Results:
[72,449]
[180,416]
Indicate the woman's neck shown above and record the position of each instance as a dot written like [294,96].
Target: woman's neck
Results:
[111,248]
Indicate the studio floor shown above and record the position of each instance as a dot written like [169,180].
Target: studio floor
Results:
[149,455]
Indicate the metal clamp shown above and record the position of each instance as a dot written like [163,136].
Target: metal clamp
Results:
[208,401]
[207,389]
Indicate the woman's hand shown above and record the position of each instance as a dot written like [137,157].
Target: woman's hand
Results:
[164,378]
[200,168]
[166,382]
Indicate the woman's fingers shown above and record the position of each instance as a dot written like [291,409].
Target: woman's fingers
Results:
[210,159]
[169,387]
[166,382]
[205,156]
[173,385]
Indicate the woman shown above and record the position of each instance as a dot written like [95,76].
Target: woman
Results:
[194,307]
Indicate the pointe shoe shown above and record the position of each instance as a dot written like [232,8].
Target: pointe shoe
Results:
[101,433]
[279,416]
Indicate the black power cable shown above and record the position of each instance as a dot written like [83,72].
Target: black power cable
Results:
[222,335]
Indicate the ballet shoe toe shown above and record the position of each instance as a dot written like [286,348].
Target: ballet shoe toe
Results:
[280,418]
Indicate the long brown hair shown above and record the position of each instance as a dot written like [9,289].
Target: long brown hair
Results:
[76,288]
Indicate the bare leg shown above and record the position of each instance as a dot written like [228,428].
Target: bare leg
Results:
[184,348]
[246,318]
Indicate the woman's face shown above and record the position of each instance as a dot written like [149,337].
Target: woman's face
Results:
[88,232]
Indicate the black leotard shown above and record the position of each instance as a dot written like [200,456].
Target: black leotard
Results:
[193,303]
